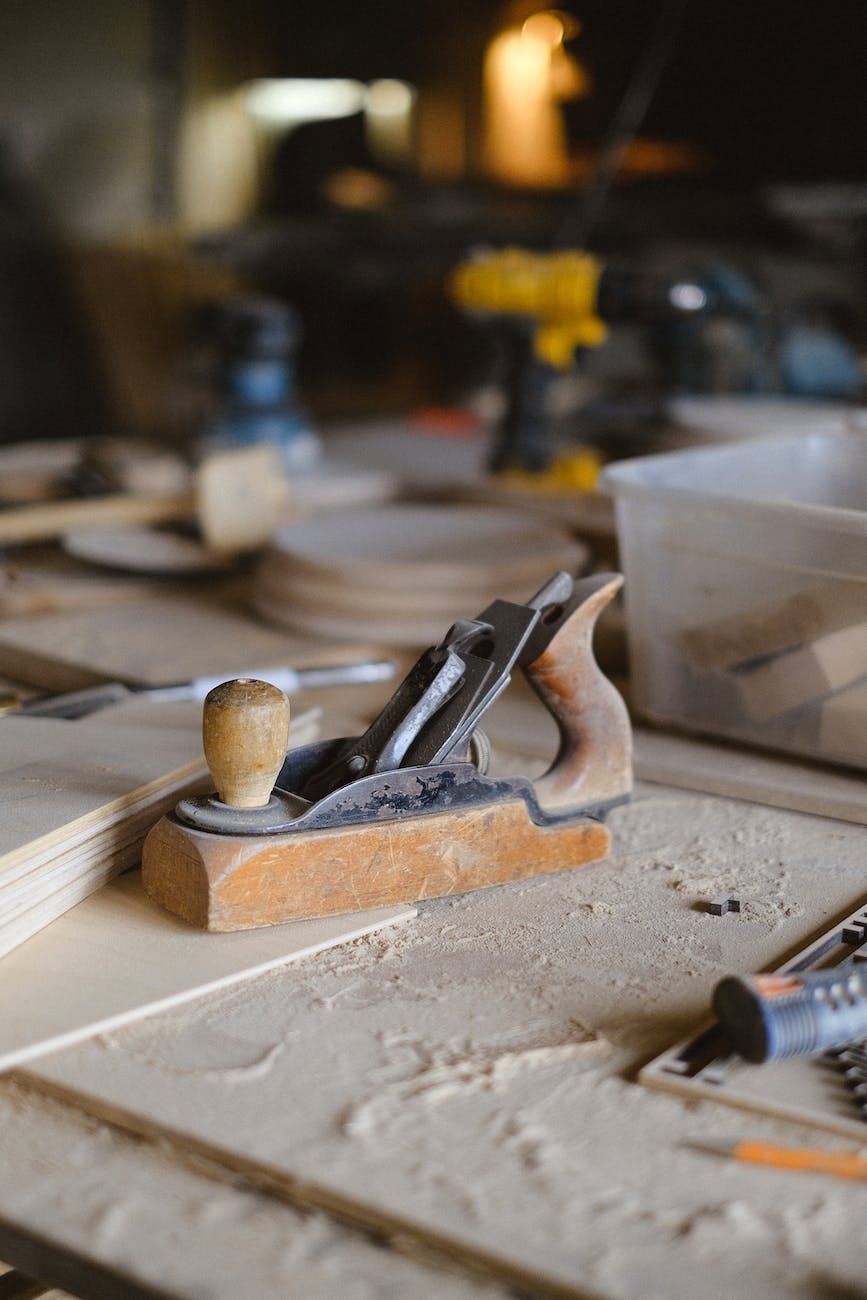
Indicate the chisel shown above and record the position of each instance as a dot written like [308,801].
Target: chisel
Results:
[77,704]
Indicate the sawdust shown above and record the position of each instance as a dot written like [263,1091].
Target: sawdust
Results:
[441,1072]
[475,1070]
[232,1059]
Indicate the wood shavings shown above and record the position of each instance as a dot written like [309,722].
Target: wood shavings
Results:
[472,1075]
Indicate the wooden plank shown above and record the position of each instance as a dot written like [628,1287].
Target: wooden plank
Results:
[110,1228]
[745,774]
[28,590]
[468,1081]
[774,626]
[798,677]
[118,957]
[152,644]
[78,798]
[843,728]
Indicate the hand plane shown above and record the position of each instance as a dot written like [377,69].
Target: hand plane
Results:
[405,811]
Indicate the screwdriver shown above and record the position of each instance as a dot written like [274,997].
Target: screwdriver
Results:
[771,1017]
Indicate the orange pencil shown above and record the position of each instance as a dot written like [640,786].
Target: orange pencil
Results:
[841,1164]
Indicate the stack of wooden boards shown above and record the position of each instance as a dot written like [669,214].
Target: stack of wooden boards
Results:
[801,660]
[78,798]
[403,573]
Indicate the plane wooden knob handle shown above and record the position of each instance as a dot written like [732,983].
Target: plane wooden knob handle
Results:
[245,732]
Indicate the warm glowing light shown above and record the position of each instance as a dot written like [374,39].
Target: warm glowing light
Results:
[547,27]
[219,158]
[355,187]
[527,75]
[553,26]
[389,98]
[288,101]
[389,121]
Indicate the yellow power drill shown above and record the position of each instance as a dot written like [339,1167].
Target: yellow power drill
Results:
[562,301]
[559,291]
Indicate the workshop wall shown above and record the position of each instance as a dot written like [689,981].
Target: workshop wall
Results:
[125,134]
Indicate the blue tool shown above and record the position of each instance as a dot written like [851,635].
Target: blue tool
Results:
[771,1017]
[256,338]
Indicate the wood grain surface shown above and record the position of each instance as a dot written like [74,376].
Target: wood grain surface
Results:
[117,957]
[156,642]
[468,1081]
[77,799]
[227,882]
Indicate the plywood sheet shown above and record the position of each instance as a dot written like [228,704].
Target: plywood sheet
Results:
[79,1200]
[58,777]
[158,642]
[740,773]
[470,1078]
[77,799]
[517,724]
[844,724]
[118,957]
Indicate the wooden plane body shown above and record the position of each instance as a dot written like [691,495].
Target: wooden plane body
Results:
[220,881]
[399,834]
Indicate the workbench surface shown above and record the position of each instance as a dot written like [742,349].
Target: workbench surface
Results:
[451,1108]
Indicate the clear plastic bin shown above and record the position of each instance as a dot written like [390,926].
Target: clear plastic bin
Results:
[746,590]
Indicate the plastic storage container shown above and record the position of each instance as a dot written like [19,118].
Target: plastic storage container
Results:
[746,590]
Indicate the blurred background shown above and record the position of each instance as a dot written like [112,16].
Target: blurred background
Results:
[158,158]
